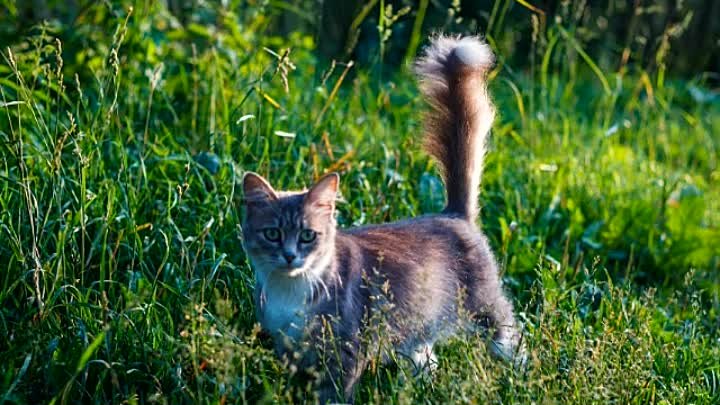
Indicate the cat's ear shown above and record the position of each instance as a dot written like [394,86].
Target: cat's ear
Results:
[322,195]
[257,190]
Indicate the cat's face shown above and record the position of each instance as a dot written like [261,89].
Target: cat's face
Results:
[289,233]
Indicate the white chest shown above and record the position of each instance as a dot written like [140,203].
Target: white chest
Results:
[283,305]
[282,311]
[283,302]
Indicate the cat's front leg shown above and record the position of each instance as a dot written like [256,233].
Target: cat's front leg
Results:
[341,365]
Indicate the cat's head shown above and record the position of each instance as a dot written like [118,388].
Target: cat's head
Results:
[289,233]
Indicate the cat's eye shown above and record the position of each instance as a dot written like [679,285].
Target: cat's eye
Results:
[307,235]
[272,234]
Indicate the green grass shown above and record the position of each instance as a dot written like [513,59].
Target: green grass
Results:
[124,278]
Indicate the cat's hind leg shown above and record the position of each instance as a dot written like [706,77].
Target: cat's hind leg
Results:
[490,307]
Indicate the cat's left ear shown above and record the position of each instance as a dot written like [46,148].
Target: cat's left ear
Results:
[257,190]
[322,194]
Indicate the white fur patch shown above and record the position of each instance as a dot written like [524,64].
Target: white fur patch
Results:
[283,305]
[423,358]
[284,298]
[472,52]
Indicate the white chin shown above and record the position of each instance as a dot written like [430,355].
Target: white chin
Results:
[296,272]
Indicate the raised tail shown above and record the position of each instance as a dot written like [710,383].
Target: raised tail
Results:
[453,73]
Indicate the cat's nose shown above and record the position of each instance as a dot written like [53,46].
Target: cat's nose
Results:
[289,257]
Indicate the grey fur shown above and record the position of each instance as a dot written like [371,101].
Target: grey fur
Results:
[419,275]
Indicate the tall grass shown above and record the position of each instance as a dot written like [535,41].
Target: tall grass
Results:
[123,140]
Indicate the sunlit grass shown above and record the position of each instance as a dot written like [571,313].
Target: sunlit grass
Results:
[125,280]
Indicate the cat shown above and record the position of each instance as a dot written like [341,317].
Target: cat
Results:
[315,281]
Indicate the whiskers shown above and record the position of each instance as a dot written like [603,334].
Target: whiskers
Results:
[315,282]
[305,283]
[313,275]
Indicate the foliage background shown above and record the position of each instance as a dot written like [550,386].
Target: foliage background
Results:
[126,126]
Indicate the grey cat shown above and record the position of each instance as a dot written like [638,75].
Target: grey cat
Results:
[319,288]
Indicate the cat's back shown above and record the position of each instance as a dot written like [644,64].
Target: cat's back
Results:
[423,240]
[424,227]
[425,262]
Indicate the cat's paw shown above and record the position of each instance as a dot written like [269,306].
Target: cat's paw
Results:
[510,349]
[424,359]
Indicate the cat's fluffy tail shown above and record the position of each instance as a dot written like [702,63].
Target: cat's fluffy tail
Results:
[453,73]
